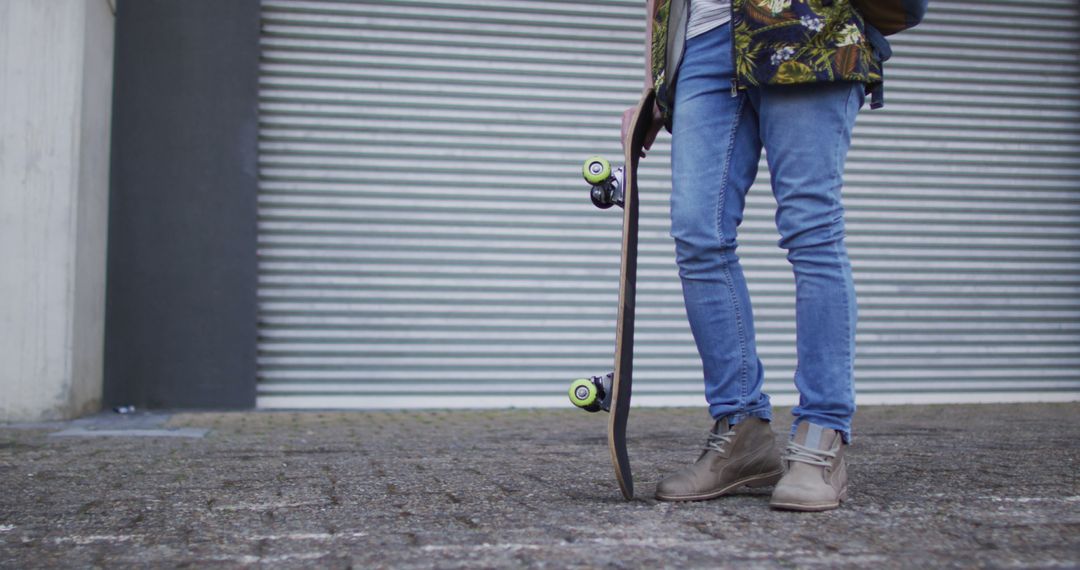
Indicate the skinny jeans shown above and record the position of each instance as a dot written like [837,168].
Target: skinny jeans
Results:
[717,140]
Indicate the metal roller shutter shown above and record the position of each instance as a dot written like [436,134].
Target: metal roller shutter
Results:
[425,239]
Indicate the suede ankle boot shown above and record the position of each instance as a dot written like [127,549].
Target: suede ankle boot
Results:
[733,456]
[815,471]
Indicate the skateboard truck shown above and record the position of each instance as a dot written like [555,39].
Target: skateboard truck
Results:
[607,184]
[592,394]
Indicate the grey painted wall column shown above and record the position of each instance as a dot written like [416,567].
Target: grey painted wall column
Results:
[182,267]
[55,101]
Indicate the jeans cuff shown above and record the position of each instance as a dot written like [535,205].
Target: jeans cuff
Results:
[845,434]
[740,416]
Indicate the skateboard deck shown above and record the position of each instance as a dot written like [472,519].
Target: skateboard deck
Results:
[611,392]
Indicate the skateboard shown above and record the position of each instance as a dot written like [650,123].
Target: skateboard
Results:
[611,392]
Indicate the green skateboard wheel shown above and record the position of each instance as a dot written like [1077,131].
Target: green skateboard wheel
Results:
[596,169]
[583,393]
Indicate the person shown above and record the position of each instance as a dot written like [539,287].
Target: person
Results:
[788,76]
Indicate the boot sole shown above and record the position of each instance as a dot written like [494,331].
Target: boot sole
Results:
[812,507]
[763,480]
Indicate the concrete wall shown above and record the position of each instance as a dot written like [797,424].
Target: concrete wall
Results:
[55,106]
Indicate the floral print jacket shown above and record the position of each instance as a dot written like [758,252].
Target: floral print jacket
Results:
[775,42]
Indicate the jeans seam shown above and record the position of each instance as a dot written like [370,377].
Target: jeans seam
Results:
[849,364]
[728,278]
[726,174]
[841,152]
[743,372]
[849,368]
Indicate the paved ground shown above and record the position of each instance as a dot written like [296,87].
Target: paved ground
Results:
[968,486]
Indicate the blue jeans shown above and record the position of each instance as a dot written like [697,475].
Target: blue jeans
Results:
[716,143]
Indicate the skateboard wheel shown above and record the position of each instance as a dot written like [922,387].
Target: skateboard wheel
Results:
[583,393]
[596,169]
[601,198]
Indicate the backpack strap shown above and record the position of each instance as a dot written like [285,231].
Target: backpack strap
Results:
[877,95]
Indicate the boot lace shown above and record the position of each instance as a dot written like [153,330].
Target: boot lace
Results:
[717,441]
[803,454]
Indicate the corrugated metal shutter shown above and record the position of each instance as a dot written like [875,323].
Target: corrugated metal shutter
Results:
[426,240]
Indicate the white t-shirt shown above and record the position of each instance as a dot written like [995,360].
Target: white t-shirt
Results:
[706,15]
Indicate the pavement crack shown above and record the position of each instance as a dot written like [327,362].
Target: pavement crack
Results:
[87,507]
[706,529]
[467,521]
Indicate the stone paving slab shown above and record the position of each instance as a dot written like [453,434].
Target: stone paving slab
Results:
[931,486]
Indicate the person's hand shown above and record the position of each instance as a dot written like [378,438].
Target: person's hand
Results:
[650,135]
